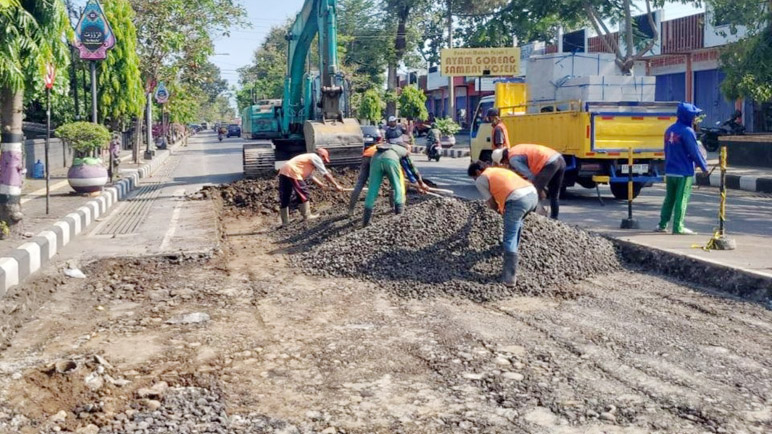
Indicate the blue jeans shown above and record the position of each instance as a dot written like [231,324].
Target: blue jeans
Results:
[514,213]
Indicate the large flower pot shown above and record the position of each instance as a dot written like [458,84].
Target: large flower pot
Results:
[87,175]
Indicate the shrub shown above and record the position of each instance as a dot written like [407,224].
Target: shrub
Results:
[85,138]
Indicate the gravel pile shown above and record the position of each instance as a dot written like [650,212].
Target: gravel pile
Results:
[188,410]
[453,247]
[261,196]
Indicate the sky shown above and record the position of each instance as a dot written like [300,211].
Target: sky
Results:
[237,50]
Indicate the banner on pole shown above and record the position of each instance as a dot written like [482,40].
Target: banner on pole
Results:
[161,94]
[479,62]
[94,35]
[50,76]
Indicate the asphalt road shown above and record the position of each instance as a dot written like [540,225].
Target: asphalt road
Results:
[748,215]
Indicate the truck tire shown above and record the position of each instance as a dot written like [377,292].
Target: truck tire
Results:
[619,189]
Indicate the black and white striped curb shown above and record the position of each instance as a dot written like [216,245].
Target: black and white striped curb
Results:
[738,182]
[39,250]
[452,153]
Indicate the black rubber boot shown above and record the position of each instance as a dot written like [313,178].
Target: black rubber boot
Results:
[368,215]
[509,274]
[399,208]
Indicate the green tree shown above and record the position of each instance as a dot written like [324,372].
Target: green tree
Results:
[121,94]
[747,62]
[32,35]
[370,106]
[412,103]
[268,69]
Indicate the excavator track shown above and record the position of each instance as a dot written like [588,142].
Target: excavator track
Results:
[258,160]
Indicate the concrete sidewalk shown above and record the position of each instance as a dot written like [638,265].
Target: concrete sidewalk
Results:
[43,235]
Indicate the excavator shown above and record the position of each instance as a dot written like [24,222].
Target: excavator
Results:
[314,108]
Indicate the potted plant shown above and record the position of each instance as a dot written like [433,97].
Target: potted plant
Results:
[448,130]
[87,140]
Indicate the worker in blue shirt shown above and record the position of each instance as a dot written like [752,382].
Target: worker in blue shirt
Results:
[682,153]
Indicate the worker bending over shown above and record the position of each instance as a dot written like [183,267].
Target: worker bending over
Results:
[499,134]
[293,176]
[364,174]
[543,166]
[387,163]
[513,197]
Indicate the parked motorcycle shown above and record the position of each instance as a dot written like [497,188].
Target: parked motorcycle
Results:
[732,127]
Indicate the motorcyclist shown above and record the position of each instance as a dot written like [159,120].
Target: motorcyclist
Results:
[393,131]
[221,133]
[734,123]
[433,141]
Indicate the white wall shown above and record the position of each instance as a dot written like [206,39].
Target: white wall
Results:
[715,36]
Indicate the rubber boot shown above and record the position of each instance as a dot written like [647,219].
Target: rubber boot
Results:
[509,274]
[399,208]
[352,204]
[305,211]
[368,215]
[284,213]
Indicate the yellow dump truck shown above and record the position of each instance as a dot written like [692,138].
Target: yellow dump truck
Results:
[594,137]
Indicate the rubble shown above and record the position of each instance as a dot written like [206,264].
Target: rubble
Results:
[453,247]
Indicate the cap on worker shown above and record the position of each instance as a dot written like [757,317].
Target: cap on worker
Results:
[492,112]
[324,154]
[498,155]
[392,119]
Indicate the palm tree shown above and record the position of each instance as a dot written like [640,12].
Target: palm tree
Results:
[32,34]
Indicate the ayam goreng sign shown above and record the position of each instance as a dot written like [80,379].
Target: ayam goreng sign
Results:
[94,35]
[477,62]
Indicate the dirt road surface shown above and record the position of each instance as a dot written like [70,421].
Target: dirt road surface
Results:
[243,342]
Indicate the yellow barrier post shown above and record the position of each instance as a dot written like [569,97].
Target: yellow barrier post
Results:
[720,241]
[630,222]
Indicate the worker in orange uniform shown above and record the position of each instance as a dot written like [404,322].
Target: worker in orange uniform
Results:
[513,197]
[364,174]
[293,176]
[543,166]
[499,134]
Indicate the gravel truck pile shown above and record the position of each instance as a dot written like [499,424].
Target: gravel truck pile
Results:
[453,247]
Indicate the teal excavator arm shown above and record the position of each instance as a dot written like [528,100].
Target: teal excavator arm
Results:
[317,17]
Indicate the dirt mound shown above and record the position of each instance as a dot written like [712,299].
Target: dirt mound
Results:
[261,196]
[453,247]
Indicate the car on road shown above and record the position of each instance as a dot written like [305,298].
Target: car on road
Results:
[234,131]
[372,135]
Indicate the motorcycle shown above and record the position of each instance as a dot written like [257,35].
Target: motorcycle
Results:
[433,147]
[220,135]
[732,127]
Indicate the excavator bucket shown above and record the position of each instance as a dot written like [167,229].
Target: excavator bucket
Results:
[343,140]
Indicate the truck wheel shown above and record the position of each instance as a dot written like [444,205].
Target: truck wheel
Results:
[619,189]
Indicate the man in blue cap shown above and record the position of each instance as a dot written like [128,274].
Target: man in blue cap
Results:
[682,153]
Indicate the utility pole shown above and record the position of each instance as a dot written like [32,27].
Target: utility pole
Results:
[94,117]
[451,93]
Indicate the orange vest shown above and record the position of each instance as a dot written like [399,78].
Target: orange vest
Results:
[299,167]
[537,155]
[369,152]
[503,129]
[502,182]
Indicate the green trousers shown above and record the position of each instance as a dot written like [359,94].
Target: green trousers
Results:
[679,188]
[382,165]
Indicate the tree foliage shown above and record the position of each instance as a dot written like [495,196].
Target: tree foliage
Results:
[84,137]
[412,103]
[121,95]
[269,64]
[371,106]
[748,62]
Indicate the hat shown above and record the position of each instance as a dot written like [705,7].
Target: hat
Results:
[324,154]
[492,112]
[497,155]
[392,119]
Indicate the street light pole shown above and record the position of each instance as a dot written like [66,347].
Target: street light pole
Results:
[94,93]
[149,122]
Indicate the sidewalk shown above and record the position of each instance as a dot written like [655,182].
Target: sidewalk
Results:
[754,179]
[70,213]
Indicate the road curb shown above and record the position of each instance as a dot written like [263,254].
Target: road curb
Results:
[746,284]
[38,251]
[737,182]
[452,153]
